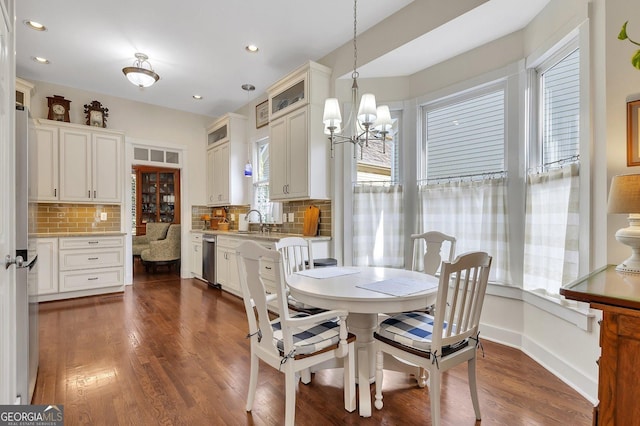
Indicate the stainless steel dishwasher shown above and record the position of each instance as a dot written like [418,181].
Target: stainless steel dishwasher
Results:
[209,260]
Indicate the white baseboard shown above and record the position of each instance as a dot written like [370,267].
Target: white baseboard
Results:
[584,385]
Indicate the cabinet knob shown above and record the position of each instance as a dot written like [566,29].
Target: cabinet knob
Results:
[598,362]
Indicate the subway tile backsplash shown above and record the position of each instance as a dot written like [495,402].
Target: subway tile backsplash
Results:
[295,207]
[75,218]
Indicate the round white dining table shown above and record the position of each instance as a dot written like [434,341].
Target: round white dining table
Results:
[342,288]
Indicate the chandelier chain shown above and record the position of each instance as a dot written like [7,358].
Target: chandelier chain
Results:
[355,45]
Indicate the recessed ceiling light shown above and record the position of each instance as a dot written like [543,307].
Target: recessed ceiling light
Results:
[252,48]
[34,25]
[197,97]
[40,60]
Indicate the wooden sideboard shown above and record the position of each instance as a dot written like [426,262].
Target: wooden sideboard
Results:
[617,295]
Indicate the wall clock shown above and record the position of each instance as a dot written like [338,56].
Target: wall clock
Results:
[96,114]
[58,108]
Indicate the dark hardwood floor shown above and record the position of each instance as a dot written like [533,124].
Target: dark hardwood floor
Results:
[173,352]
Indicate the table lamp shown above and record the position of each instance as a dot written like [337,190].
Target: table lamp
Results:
[624,197]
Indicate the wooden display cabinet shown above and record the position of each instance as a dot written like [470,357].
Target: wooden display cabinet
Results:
[617,295]
[157,196]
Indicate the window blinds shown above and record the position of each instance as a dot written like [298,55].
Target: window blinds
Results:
[466,138]
[560,110]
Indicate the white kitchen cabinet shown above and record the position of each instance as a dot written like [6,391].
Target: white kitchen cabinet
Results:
[227,154]
[79,163]
[196,255]
[71,267]
[90,263]
[227,264]
[47,265]
[298,148]
[48,187]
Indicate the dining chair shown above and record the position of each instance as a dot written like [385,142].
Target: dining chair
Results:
[428,248]
[297,255]
[427,257]
[443,340]
[290,344]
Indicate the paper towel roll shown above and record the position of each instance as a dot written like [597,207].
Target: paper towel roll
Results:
[243,224]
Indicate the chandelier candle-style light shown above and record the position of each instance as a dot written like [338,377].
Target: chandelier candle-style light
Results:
[138,74]
[370,124]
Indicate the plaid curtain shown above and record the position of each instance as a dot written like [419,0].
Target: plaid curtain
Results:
[378,226]
[551,231]
[475,212]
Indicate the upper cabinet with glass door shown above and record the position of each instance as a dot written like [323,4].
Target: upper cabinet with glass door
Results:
[307,84]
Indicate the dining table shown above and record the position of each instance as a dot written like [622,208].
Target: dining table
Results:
[365,292]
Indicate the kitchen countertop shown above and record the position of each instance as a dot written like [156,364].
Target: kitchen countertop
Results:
[270,236]
[77,234]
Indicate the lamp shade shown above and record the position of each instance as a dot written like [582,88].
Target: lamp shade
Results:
[383,120]
[140,77]
[624,195]
[331,116]
[367,110]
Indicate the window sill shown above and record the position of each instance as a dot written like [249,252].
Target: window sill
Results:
[579,315]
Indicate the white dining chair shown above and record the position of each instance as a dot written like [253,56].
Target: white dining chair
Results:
[443,340]
[427,251]
[290,344]
[297,255]
[427,255]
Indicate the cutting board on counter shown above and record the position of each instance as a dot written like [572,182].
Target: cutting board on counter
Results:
[311,219]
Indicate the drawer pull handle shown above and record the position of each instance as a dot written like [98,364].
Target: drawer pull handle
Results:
[92,278]
[93,258]
[267,267]
[93,242]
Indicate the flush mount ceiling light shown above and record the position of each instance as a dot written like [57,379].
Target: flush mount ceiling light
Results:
[34,25]
[248,87]
[252,48]
[138,75]
[371,123]
[197,97]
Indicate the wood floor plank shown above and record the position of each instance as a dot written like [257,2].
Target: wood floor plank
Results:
[171,352]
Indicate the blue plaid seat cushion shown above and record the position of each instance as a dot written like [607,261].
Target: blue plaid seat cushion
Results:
[411,329]
[308,340]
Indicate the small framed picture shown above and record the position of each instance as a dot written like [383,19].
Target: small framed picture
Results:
[262,114]
[633,133]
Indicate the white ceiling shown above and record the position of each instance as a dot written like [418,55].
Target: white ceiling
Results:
[197,46]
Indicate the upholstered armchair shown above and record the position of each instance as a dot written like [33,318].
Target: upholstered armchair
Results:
[163,252]
[155,231]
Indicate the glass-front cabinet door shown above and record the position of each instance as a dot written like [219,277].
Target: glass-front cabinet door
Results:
[157,196]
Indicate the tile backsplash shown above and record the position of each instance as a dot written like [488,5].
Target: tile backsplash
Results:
[295,207]
[72,218]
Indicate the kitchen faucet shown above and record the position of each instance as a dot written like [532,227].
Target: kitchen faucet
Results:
[246,217]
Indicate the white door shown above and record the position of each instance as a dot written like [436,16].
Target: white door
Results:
[8,348]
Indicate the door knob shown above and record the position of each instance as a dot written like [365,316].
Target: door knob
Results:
[8,261]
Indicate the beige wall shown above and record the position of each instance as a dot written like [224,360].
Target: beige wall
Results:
[140,121]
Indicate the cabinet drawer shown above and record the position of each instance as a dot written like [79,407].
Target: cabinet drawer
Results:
[196,238]
[83,280]
[88,242]
[87,259]
[227,242]
[267,269]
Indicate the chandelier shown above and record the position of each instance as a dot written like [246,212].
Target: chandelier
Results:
[371,123]
[138,75]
